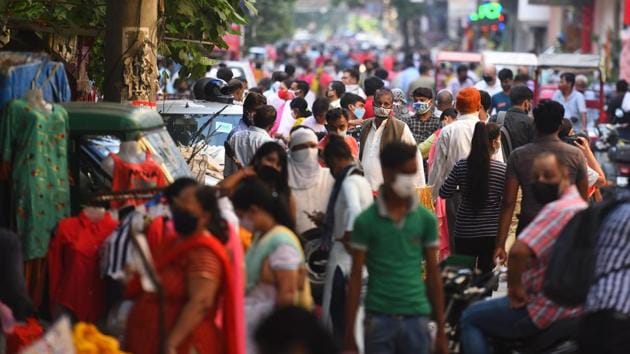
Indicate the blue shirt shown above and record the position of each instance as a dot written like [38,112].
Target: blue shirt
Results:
[501,102]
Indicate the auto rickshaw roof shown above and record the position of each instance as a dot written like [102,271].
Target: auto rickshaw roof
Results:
[569,61]
[458,57]
[509,58]
[117,119]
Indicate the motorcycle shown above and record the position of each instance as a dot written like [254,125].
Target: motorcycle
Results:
[464,286]
[615,141]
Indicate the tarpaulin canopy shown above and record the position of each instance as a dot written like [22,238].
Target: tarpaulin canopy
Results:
[574,61]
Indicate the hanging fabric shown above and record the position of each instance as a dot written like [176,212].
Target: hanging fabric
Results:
[33,153]
[73,265]
[128,175]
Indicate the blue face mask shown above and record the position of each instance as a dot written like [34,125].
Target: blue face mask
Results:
[359,112]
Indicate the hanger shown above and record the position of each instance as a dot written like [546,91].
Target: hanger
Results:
[146,193]
[35,96]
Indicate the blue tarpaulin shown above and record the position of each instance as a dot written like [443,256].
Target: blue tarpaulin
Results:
[16,80]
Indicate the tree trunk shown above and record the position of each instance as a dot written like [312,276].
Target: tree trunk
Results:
[404,29]
[130,51]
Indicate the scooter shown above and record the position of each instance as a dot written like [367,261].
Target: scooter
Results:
[464,286]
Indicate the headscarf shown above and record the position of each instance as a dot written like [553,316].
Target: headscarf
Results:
[400,104]
[303,174]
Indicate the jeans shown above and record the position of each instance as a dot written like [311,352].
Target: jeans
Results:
[493,318]
[604,332]
[481,248]
[392,334]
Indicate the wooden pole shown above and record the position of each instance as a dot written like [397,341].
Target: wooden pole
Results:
[131,71]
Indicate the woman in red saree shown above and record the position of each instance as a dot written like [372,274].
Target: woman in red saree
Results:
[196,275]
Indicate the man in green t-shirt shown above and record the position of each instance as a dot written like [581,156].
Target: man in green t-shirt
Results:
[392,238]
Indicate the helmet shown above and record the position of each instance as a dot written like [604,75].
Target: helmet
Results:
[210,89]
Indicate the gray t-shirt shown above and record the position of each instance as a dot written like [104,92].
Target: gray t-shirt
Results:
[520,165]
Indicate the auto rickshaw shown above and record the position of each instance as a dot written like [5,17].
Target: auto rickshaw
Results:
[96,130]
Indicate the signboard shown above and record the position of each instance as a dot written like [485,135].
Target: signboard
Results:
[557,2]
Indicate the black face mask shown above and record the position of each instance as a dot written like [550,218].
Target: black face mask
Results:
[184,223]
[487,78]
[545,193]
[268,174]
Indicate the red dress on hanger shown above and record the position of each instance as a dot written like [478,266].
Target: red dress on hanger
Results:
[73,264]
[129,175]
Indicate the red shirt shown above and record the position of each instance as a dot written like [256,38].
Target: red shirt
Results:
[73,263]
[369,108]
[354,146]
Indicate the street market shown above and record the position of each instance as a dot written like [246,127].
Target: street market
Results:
[315,177]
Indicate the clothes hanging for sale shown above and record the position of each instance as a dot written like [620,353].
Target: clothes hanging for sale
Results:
[130,176]
[73,264]
[34,161]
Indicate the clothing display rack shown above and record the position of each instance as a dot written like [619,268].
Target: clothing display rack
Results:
[148,194]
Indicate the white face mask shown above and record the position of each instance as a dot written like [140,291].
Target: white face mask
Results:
[405,185]
[382,112]
[304,154]
[341,133]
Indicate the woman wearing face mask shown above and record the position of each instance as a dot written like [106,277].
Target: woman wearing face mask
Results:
[196,276]
[270,165]
[310,183]
[337,123]
[276,274]
[480,180]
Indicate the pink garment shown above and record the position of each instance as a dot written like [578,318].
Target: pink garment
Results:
[432,150]
[443,236]
[276,124]
[235,252]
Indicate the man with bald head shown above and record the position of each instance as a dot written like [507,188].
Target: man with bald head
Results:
[490,84]
[443,101]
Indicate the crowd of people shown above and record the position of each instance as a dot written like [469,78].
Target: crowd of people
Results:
[341,163]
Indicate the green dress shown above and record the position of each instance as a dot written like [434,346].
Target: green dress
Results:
[35,143]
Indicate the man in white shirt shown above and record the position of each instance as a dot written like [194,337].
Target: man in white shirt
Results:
[378,132]
[351,195]
[317,121]
[243,145]
[489,82]
[455,139]
[350,78]
[462,80]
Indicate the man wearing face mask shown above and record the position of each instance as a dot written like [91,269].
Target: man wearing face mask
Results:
[547,119]
[355,105]
[422,122]
[392,238]
[310,183]
[526,310]
[380,131]
[337,125]
[519,126]
[489,82]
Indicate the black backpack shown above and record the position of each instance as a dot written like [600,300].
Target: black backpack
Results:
[571,269]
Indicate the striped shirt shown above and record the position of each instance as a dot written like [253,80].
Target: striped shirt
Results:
[471,222]
[611,289]
[540,236]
